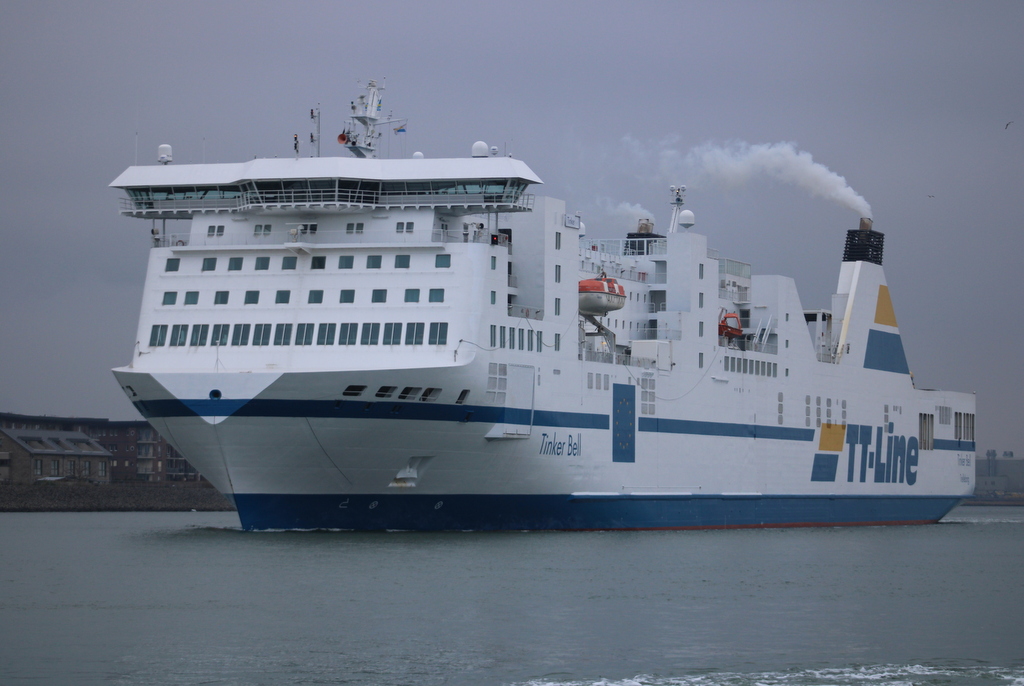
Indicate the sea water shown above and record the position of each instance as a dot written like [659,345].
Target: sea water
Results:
[188,598]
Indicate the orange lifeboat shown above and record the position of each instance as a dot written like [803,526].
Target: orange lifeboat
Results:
[600,296]
[730,325]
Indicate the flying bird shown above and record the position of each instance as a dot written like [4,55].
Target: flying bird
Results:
[931,196]
[1007,125]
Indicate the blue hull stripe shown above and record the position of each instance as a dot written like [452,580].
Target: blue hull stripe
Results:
[944,444]
[425,512]
[355,409]
[683,426]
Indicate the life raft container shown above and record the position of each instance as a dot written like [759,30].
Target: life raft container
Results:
[600,296]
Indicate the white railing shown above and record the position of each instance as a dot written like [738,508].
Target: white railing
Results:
[613,271]
[654,333]
[617,358]
[655,307]
[525,312]
[510,201]
[735,295]
[626,246]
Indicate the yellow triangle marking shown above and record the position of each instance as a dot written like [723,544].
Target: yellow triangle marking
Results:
[832,436]
[883,310]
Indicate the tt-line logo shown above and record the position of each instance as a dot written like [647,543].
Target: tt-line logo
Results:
[894,461]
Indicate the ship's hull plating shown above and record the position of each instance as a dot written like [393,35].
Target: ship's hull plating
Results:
[425,512]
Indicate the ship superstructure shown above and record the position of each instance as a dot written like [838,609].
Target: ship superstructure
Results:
[364,343]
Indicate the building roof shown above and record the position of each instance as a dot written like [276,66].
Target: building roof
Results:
[47,443]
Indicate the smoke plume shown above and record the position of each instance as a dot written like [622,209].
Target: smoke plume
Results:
[737,163]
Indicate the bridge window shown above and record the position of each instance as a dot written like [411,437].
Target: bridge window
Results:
[170,297]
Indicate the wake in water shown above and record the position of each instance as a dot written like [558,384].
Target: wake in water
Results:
[876,675]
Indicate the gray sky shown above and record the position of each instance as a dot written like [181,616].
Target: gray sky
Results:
[604,100]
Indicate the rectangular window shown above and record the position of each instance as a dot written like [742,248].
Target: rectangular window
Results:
[373,261]
[170,297]
[289,262]
[283,297]
[316,297]
[345,262]
[700,329]
[438,333]
[308,228]
[558,240]
[348,296]
[354,227]
[179,334]
[262,263]
[558,306]
[347,333]
[502,342]
[215,230]
[252,297]
[325,334]
[379,295]
[494,336]
[371,334]
[558,341]
[400,227]
[283,334]
[511,338]
[172,264]
[700,360]
[318,262]
[443,261]
[494,262]
[199,334]
[220,298]
[240,335]
[412,295]
[558,273]
[540,341]
[700,300]
[261,334]
[261,230]
[220,334]
[926,431]
[54,467]
[37,467]
[437,295]
[101,468]
[529,339]
[401,261]
[209,264]
[392,333]
[191,297]
[304,334]
[522,336]
[408,227]
[700,271]
[234,264]
[414,333]
[494,297]
[157,335]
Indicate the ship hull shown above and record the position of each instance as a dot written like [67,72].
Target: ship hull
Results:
[455,512]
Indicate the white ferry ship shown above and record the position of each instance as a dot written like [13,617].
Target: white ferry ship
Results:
[364,343]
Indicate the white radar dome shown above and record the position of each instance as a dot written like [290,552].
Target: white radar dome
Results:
[479,149]
[417,155]
[163,154]
[686,219]
[494,151]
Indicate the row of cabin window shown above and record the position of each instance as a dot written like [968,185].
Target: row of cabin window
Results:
[316,297]
[235,264]
[262,230]
[505,337]
[348,333]
[742,365]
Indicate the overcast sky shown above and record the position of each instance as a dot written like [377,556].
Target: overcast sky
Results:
[606,101]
